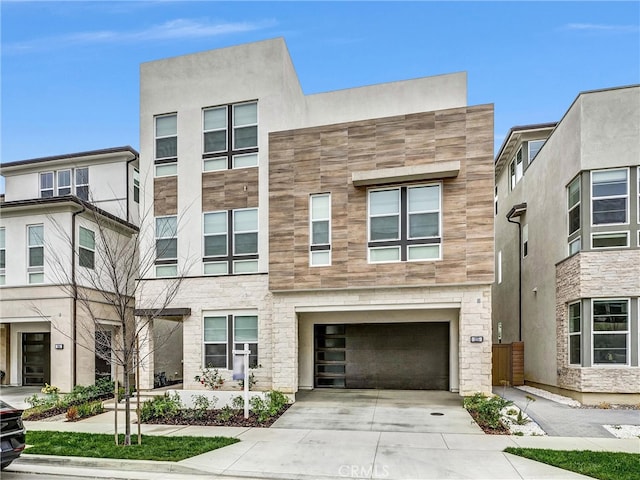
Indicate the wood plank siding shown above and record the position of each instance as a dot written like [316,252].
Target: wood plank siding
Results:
[165,196]
[230,189]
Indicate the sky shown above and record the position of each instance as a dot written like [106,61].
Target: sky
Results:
[70,70]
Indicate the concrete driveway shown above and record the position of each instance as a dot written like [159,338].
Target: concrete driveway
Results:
[15,396]
[417,411]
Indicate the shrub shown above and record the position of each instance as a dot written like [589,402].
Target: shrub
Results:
[72,414]
[89,409]
[210,378]
[225,413]
[50,389]
[272,404]
[237,403]
[200,406]
[166,406]
[487,409]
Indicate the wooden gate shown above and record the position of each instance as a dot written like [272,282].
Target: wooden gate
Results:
[508,364]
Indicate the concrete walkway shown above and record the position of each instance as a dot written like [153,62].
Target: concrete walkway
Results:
[557,419]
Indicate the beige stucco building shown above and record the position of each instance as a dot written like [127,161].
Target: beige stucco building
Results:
[346,236]
[572,189]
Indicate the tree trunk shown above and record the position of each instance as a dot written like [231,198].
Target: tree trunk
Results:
[127,410]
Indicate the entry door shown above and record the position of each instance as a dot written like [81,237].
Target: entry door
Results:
[36,358]
[103,355]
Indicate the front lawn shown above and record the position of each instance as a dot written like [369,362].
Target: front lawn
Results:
[171,449]
[601,465]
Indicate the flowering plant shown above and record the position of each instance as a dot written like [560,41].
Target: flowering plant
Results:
[210,378]
[49,389]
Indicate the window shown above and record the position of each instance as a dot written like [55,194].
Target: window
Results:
[231,241]
[512,174]
[519,165]
[404,224]
[64,182]
[499,269]
[35,243]
[219,346]
[609,191]
[525,240]
[82,183]
[575,246]
[575,334]
[166,130]
[573,203]
[166,246]
[46,184]
[136,185]
[2,255]
[87,249]
[495,200]
[166,169]
[320,230]
[226,147]
[534,148]
[610,240]
[610,331]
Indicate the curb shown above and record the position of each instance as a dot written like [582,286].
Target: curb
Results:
[106,463]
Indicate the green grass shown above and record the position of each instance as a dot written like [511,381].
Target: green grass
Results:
[602,465]
[172,449]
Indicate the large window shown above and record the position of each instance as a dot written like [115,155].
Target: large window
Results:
[87,249]
[225,147]
[575,334]
[2,255]
[166,136]
[35,254]
[219,344]
[61,183]
[609,196]
[610,331]
[166,246]
[404,224]
[231,242]
[320,230]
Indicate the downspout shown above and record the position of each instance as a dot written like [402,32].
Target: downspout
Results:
[517,211]
[127,187]
[74,287]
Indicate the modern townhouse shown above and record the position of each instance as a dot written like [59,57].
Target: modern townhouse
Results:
[568,248]
[53,215]
[346,236]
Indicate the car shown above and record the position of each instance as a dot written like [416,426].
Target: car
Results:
[12,434]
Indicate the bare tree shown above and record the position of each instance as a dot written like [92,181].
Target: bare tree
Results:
[104,282]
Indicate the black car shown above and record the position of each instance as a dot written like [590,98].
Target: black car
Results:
[11,434]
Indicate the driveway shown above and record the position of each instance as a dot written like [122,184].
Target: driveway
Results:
[417,411]
[15,396]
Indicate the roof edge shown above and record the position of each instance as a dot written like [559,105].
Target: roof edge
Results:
[88,153]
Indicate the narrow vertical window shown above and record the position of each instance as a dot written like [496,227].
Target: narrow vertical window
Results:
[87,248]
[215,131]
[519,166]
[499,267]
[136,185]
[512,174]
[215,341]
[64,182]
[166,246]
[46,184]
[216,243]
[534,148]
[573,200]
[2,255]
[245,240]
[525,240]
[166,136]
[82,183]
[610,331]
[495,200]
[35,243]
[609,195]
[575,334]
[320,230]
[245,125]
[245,330]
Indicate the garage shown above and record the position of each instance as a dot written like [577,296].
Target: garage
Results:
[401,356]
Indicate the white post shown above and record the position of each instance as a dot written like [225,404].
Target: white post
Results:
[246,380]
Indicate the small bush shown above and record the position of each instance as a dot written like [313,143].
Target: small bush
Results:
[90,409]
[237,403]
[225,413]
[166,406]
[273,403]
[200,406]
[72,414]
[210,378]
[487,409]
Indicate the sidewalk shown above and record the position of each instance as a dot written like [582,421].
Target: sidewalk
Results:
[305,453]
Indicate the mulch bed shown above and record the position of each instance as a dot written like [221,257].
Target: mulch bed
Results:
[32,415]
[210,419]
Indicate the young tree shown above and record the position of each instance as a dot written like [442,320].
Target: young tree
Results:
[100,271]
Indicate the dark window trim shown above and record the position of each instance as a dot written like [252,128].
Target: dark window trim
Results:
[162,161]
[230,257]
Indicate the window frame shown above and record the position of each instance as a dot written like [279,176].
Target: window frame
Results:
[78,185]
[519,159]
[626,333]
[68,187]
[163,264]
[52,189]
[231,341]
[246,125]
[90,251]
[136,185]
[541,142]
[606,233]
[157,137]
[319,247]
[33,270]
[212,130]
[224,342]
[577,205]
[234,261]
[525,240]
[577,333]
[608,197]
[404,242]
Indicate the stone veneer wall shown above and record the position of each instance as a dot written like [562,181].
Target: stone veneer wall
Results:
[475,319]
[586,275]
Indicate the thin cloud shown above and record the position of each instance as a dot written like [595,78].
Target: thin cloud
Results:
[595,27]
[180,28]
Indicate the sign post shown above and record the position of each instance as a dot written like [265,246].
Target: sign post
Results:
[241,372]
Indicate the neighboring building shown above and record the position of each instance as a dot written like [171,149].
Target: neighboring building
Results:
[53,213]
[573,188]
[346,236]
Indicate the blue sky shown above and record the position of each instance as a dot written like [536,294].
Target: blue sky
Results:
[70,70]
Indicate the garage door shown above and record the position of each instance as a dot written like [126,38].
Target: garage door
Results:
[404,356]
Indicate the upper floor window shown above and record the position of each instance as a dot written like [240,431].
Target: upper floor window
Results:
[534,148]
[166,136]
[61,183]
[64,182]
[35,254]
[2,254]
[46,185]
[573,205]
[516,168]
[404,224]
[231,241]
[87,249]
[609,196]
[82,183]
[136,185]
[320,230]
[230,136]
[166,246]
[525,240]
